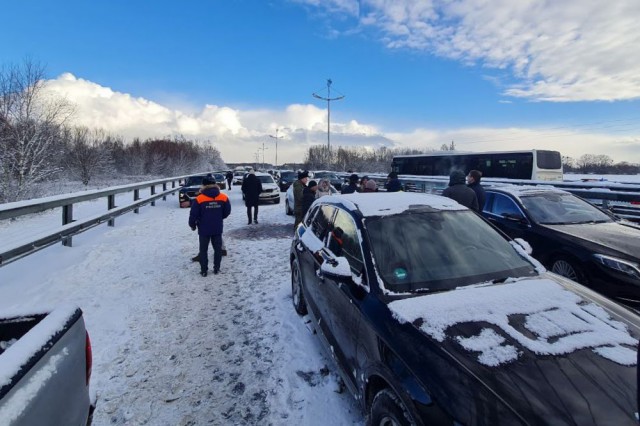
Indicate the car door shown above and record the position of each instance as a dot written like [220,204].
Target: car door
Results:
[317,223]
[344,296]
[503,211]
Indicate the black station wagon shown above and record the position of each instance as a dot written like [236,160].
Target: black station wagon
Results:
[435,318]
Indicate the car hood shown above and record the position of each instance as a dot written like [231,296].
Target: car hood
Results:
[621,238]
[542,346]
[269,186]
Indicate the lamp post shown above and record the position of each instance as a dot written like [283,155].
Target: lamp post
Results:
[276,138]
[328,99]
[263,148]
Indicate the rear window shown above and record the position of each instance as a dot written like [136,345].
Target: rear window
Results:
[549,160]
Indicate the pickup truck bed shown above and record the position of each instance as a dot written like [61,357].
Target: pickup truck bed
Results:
[45,366]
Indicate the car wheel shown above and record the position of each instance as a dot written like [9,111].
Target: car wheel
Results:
[568,268]
[287,209]
[299,303]
[388,410]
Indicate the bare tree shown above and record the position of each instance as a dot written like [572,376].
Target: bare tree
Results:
[87,154]
[30,124]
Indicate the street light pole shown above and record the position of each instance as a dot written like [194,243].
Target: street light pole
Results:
[263,148]
[276,138]
[328,99]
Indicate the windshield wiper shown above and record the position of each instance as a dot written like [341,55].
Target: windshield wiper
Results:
[499,280]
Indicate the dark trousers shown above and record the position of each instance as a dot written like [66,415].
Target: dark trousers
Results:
[229,185]
[255,213]
[216,243]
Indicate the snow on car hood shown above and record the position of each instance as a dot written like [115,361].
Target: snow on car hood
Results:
[557,321]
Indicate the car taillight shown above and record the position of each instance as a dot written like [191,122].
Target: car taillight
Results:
[636,203]
[89,357]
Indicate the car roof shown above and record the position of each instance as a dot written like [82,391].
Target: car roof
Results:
[390,203]
[524,191]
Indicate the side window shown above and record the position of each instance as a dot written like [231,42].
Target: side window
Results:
[344,241]
[504,205]
[320,222]
[308,219]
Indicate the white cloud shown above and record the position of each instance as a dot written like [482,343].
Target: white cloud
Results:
[571,50]
[239,134]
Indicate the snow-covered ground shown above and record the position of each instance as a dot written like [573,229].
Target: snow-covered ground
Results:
[171,347]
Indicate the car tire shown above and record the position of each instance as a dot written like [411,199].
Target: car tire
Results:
[287,209]
[568,268]
[387,409]
[299,304]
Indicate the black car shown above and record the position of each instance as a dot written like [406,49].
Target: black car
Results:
[435,318]
[287,177]
[571,237]
[190,190]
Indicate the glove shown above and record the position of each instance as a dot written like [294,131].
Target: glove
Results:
[193,228]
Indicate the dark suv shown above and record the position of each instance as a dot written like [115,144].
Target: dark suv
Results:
[435,318]
[287,177]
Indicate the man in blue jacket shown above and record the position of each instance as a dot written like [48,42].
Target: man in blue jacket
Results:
[208,210]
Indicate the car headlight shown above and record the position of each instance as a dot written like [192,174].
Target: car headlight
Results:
[630,268]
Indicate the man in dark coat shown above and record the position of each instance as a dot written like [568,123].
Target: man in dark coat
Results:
[298,191]
[473,182]
[229,177]
[352,187]
[458,191]
[308,196]
[393,183]
[208,211]
[251,188]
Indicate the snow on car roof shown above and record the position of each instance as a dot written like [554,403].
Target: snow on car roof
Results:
[390,203]
[523,191]
[556,321]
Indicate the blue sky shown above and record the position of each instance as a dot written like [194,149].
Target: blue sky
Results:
[508,75]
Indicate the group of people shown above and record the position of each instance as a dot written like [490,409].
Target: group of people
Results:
[466,190]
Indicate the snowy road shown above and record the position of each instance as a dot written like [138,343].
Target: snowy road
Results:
[173,348]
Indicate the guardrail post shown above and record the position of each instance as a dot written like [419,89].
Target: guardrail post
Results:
[67,217]
[164,188]
[111,204]
[136,197]
[153,192]
[605,204]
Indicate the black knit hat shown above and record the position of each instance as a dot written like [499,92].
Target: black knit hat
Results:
[312,183]
[303,174]
[209,180]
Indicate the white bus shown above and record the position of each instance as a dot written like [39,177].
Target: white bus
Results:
[533,164]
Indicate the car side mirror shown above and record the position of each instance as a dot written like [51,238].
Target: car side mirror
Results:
[336,267]
[515,217]
[525,245]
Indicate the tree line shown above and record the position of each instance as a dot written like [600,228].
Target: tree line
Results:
[38,144]
[601,164]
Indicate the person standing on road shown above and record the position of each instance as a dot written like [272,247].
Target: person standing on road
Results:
[298,190]
[251,188]
[352,187]
[473,182]
[393,183]
[324,188]
[229,177]
[309,196]
[458,191]
[208,211]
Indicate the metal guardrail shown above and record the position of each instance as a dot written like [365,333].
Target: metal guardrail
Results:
[72,227]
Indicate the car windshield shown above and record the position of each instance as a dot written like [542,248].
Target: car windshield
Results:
[441,250]
[554,208]
[194,181]
[325,175]
[287,175]
[218,177]
[266,179]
